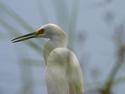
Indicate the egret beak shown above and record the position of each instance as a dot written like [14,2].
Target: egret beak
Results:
[28,36]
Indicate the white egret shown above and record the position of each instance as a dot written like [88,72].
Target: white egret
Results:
[63,72]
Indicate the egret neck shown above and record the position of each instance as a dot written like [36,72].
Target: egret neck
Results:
[57,41]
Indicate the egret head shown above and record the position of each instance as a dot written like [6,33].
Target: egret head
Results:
[50,31]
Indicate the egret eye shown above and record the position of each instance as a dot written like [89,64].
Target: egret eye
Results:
[41,31]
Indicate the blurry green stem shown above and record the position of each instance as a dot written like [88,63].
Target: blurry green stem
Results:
[73,22]
[109,83]
[13,14]
[15,32]
[27,79]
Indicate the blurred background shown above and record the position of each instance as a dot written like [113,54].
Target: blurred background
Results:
[96,30]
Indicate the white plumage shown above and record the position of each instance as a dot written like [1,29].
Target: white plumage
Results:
[63,72]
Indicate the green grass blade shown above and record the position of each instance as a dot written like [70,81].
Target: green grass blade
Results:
[42,11]
[73,22]
[61,11]
[15,16]
[15,32]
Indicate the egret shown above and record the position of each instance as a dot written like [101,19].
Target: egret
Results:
[63,72]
